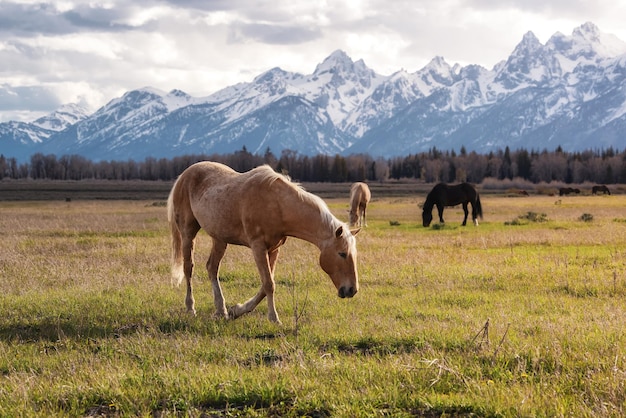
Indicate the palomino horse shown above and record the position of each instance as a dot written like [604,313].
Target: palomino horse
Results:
[443,195]
[258,209]
[360,196]
[600,189]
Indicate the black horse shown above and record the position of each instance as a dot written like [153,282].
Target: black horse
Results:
[600,189]
[564,191]
[444,195]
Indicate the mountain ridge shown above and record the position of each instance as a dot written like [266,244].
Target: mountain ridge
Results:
[568,92]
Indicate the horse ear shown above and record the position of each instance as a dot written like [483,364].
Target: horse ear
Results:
[338,232]
[355,231]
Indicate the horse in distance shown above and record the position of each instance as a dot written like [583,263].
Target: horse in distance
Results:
[443,195]
[258,209]
[564,191]
[600,188]
[360,196]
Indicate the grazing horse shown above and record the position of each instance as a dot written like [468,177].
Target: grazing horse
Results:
[564,191]
[444,195]
[600,188]
[258,209]
[360,196]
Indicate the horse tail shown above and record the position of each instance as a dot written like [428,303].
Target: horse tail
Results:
[177,269]
[479,208]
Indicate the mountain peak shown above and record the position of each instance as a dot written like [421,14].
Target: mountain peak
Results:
[602,44]
[438,63]
[66,115]
[178,93]
[587,31]
[337,60]
[272,74]
[437,71]
[149,90]
[587,42]
[529,45]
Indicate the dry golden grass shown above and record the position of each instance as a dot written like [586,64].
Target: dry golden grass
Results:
[514,317]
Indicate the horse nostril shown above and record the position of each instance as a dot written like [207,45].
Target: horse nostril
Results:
[347,292]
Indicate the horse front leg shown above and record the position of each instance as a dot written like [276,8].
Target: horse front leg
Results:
[271,309]
[213,267]
[466,212]
[266,261]
[440,212]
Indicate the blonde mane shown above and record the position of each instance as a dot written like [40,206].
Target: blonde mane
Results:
[267,176]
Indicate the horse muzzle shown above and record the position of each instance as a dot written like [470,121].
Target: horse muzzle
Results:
[347,291]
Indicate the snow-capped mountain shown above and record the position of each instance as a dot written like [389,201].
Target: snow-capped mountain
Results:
[570,92]
[20,140]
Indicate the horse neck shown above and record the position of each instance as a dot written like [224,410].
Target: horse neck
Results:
[429,203]
[354,203]
[307,219]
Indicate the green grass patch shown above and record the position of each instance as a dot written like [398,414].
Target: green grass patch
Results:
[490,320]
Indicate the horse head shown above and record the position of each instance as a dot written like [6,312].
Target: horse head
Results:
[354,217]
[338,260]
[427,217]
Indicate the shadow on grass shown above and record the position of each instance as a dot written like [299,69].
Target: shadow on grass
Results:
[72,327]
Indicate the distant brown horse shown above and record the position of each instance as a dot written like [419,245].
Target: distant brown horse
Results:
[564,191]
[600,188]
[444,195]
[360,196]
[258,209]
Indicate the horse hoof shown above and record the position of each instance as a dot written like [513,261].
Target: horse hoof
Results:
[232,312]
[274,319]
[221,315]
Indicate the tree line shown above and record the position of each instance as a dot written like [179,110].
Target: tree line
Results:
[605,166]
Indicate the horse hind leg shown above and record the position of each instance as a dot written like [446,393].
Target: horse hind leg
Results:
[188,246]
[466,212]
[474,215]
[213,267]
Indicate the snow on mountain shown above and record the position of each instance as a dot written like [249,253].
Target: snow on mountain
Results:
[63,117]
[569,92]
[531,100]
[20,140]
[338,85]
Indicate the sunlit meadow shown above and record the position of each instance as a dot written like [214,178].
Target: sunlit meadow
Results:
[523,315]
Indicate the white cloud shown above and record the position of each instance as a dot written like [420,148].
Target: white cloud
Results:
[79,50]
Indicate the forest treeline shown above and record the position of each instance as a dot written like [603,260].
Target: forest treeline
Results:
[605,166]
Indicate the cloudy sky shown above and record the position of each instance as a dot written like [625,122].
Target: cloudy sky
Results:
[56,52]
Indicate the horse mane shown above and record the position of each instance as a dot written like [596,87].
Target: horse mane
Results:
[430,198]
[267,176]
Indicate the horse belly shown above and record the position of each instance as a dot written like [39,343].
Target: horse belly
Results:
[220,220]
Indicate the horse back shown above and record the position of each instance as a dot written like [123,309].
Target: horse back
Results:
[446,195]
[360,195]
[225,203]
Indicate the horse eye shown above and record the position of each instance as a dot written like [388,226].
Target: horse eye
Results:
[343,255]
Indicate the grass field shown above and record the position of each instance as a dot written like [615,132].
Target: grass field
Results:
[523,315]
